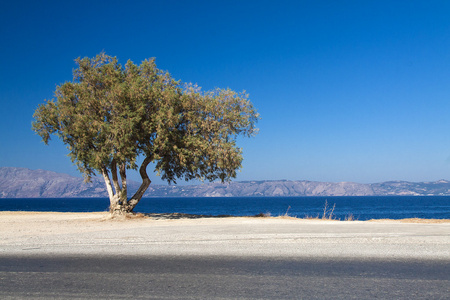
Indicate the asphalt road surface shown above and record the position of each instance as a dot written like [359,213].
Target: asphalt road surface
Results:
[215,277]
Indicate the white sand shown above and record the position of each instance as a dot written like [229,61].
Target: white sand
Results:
[35,233]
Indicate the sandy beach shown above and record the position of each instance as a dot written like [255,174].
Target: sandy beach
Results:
[46,233]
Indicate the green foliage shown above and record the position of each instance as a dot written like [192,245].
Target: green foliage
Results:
[110,114]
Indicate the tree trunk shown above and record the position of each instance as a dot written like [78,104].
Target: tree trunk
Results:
[114,204]
[124,192]
[116,179]
[119,205]
[145,184]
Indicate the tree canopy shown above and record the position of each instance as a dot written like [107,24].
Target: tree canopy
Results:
[110,115]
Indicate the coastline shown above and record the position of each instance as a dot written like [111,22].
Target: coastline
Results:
[50,233]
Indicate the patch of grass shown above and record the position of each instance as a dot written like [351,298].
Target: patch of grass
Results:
[287,215]
[309,217]
[326,215]
[350,217]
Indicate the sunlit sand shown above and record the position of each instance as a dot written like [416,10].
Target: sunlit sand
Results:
[48,233]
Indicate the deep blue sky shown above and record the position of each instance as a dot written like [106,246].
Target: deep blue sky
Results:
[347,90]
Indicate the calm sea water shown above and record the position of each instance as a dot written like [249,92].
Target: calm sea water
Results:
[362,208]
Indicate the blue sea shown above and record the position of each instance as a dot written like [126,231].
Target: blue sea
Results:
[361,207]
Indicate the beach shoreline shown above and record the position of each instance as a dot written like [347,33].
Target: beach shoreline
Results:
[55,233]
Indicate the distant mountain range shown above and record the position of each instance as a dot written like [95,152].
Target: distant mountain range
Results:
[26,183]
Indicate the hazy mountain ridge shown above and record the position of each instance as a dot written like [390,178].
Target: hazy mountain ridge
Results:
[26,183]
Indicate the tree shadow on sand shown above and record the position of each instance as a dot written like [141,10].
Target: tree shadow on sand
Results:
[174,216]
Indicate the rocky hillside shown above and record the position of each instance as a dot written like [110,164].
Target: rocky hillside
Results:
[304,188]
[270,189]
[25,183]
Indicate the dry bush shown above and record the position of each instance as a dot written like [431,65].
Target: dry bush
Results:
[328,212]
[349,217]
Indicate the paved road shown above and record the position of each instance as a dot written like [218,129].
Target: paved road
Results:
[181,277]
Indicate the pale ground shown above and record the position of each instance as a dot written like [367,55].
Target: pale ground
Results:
[45,233]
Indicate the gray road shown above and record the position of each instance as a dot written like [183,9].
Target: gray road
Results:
[181,277]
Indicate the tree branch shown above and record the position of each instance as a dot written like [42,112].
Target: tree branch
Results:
[115,178]
[123,176]
[108,184]
[145,183]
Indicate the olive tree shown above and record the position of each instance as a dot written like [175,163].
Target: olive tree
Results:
[114,117]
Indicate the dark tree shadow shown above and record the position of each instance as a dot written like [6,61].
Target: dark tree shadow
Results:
[172,216]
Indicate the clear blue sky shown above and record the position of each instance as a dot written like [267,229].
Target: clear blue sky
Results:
[347,90]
